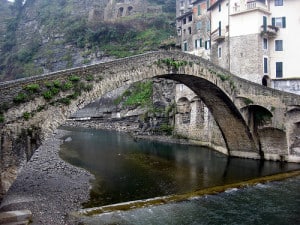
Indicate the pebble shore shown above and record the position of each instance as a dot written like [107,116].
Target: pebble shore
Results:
[48,186]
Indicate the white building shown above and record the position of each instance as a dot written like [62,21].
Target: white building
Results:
[258,40]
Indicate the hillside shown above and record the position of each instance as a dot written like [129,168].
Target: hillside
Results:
[42,36]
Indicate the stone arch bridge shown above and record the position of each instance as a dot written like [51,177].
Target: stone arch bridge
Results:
[255,121]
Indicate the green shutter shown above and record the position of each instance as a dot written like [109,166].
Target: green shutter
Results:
[201,42]
[283,22]
[196,43]
[199,10]
[265,23]
[273,22]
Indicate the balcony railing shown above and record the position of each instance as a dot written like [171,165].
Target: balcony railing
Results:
[253,5]
[268,31]
[218,35]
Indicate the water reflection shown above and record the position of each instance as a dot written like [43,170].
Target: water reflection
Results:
[127,170]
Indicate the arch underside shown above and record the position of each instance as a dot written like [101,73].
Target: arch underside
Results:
[234,129]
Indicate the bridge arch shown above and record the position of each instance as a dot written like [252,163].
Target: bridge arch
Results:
[233,127]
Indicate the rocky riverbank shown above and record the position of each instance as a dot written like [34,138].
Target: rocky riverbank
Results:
[49,187]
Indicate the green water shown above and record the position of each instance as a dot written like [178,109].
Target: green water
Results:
[126,169]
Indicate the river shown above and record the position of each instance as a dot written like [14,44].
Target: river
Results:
[127,169]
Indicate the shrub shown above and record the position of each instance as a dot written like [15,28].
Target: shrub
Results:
[166,128]
[2,118]
[26,115]
[67,86]
[54,90]
[47,95]
[248,101]
[57,84]
[32,88]
[20,98]
[74,95]
[89,78]
[74,78]
[48,84]
[65,101]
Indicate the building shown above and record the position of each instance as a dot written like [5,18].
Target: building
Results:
[253,40]
[193,26]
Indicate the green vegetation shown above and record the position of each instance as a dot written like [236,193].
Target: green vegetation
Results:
[223,77]
[67,86]
[2,119]
[57,84]
[140,94]
[123,37]
[48,95]
[171,63]
[262,116]
[248,101]
[74,78]
[89,78]
[65,101]
[32,88]
[26,115]
[20,98]
[166,128]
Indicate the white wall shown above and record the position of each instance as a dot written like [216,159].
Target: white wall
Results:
[290,35]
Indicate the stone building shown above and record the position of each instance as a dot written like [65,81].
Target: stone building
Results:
[193,119]
[193,26]
[121,8]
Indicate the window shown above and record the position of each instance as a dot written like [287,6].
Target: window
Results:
[265,43]
[219,7]
[199,25]
[199,10]
[207,44]
[190,30]
[200,40]
[265,23]
[278,45]
[190,18]
[207,4]
[219,51]
[181,3]
[220,30]
[208,26]
[196,43]
[279,22]
[265,65]
[278,69]
[184,21]
[185,46]
[278,2]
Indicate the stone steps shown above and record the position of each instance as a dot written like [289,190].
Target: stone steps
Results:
[20,217]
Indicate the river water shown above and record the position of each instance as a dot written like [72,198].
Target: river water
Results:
[127,169]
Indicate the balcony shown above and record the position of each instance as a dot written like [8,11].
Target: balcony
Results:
[218,36]
[249,6]
[268,31]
